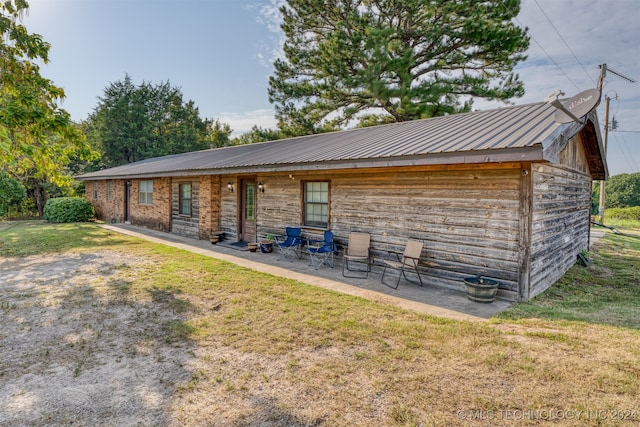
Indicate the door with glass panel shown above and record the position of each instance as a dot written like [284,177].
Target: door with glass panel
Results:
[248,210]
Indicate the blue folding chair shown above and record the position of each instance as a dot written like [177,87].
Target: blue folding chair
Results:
[290,244]
[322,251]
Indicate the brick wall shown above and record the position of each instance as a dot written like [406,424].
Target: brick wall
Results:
[109,206]
[157,215]
[209,205]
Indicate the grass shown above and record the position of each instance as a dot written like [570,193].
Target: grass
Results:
[607,292]
[21,238]
[274,351]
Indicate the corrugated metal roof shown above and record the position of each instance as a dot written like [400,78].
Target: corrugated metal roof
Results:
[509,128]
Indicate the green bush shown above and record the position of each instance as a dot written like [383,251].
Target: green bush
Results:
[12,193]
[68,209]
[632,213]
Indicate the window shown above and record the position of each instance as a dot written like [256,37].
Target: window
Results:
[109,190]
[146,192]
[250,201]
[184,199]
[95,189]
[316,204]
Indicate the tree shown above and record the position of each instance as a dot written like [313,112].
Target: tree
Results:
[257,134]
[12,192]
[218,134]
[621,191]
[37,137]
[133,123]
[405,59]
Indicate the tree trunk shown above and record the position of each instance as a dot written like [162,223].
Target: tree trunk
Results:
[40,196]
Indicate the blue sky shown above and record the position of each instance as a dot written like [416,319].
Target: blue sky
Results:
[219,52]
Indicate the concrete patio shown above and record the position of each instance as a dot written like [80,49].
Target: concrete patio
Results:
[431,300]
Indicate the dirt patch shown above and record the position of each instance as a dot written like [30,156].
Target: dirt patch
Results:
[100,338]
[79,348]
[75,348]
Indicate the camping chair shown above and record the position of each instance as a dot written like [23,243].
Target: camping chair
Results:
[321,251]
[407,262]
[357,251]
[289,245]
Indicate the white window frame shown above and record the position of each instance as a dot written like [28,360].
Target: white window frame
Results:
[182,199]
[316,201]
[145,192]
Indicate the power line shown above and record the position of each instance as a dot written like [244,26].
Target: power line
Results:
[564,41]
[630,153]
[626,152]
[548,56]
[539,45]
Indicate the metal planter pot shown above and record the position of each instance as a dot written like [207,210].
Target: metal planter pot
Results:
[481,289]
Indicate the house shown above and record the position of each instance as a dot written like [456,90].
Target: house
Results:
[505,193]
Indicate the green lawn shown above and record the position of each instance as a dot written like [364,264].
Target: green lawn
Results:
[264,350]
[606,292]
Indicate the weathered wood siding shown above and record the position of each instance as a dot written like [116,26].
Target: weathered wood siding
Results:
[519,223]
[186,225]
[561,212]
[281,203]
[573,156]
[467,217]
[229,208]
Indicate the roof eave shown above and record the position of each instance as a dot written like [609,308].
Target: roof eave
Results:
[524,154]
[593,145]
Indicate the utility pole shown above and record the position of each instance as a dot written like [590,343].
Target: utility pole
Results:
[603,73]
[606,134]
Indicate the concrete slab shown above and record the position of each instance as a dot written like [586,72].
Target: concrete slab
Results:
[431,300]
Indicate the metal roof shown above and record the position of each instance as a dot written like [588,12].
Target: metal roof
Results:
[515,133]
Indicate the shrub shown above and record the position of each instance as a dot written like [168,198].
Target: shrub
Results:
[632,213]
[12,193]
[68,209]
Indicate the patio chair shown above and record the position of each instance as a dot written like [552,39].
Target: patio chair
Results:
[322,251]
[358,252]
[289,245]
[403,263]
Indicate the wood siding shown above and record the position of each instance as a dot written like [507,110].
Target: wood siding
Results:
[229,208]
[186,225]
[520,223]
[574,156]
[560,225]
[468,218]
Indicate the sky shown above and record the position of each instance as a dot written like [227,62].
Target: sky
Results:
[220,54]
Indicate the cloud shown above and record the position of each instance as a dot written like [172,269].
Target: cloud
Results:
[569,40]
[269,16]
[243,122]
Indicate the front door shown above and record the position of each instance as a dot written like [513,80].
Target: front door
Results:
[248,210]
[127,198]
